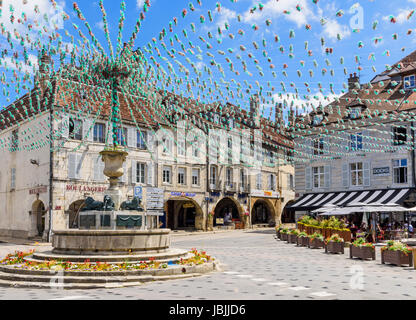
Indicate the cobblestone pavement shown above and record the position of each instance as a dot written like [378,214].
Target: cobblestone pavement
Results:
[256,266]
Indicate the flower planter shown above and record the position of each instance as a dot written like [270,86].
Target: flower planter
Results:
[283,236]
[397,258]
[292,238]
[303,241]
[308,230]
[278,234]
[316,244]
[334,247]
[301,227]
[362,252]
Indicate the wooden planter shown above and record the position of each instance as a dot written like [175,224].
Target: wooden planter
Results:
[292,238]
[334,247]
[303,241]
[316,244]
[308,230]
[283,236]
[362,252]
[278,234]
[397,258]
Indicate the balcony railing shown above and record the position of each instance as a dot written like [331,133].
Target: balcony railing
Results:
[214,184]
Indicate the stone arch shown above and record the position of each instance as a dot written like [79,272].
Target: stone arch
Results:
[227,204]
[288,215]
[263,211]
[183,212]
[73,213]
[38,217]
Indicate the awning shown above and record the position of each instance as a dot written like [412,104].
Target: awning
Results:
[314,201]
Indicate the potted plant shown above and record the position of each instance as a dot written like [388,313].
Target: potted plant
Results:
[397,253]
[284,234]
[316,241]
[293,236]
[334,244]
[363,250]
[302,239]
[278,231]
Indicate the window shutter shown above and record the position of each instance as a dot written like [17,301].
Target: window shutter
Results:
[327,176]
[327,146]
[150,173]
[78,166]
[345,175]
[110,134]
[366,173]
[366,140]
[72,158]
[133,172]
[64,126]
[123,177]
[308,178]
[131,133]
[96,168]
[87,131]
[150,140]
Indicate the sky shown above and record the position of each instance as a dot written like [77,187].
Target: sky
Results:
[296,52]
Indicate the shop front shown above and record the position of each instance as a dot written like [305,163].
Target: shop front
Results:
[265,207]
[183,212]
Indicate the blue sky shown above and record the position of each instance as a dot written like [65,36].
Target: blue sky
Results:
[287,19]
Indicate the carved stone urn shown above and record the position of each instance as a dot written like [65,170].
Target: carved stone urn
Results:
[113,168]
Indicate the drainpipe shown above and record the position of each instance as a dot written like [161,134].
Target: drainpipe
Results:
[413,156]
[50,172]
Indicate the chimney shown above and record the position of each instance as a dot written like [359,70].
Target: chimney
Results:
[45,69]
[279,116]
[353,82]
[255,110]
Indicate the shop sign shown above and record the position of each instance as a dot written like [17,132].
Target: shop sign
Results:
[154,199]
[138,192]
[42,189]
[183,194]
[265,194]
[84,188]
[385,171]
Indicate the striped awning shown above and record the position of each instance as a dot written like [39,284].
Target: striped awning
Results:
[313,201]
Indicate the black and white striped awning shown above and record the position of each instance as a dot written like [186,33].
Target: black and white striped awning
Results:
[313,201]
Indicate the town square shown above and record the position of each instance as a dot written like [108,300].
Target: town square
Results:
[207,151]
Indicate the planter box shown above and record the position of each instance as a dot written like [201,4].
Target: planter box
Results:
[283,236]
[334,247]
[278,234]
[292,238]
[303,241]
[316,244]
[397,258]
[308,230]
[362,252]
[301,227]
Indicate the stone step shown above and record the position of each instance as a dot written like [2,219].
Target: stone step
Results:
[171,255]
[91,285]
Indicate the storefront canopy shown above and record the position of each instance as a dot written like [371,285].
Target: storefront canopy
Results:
[358,209]
[313,201]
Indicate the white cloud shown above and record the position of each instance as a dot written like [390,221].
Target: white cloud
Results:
[332,28]
[100,25]
[401,16]
[275,9]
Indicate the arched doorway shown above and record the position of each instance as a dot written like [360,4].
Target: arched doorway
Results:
[225,206]
[182,213]
[39,212]
[262,212]
[288,215]
[73,212]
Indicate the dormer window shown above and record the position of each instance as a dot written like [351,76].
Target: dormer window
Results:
[216,118]
[409,82]
[355,112]
[231,123]
[317,119]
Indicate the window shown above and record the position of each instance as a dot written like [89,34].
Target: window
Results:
[213,175]
[167,174]
[229,177]
[356,142]
[13,179]
[140,172]
[15,141]
[400,171]
[182,176]
[181,146]
[291,182]
[409,82]
[272,182]
[122,136]
[318,177]
[355,112]
[195,148]
[259,184]
[318,146]
[243,178]
[357,174]
[230,150]
[271,157]
[195,177]
[317,120]
[231,123]
[75,129]
[99,132]
[216,118]
[400,136]
[141,139]
[74,165]
[167,145]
